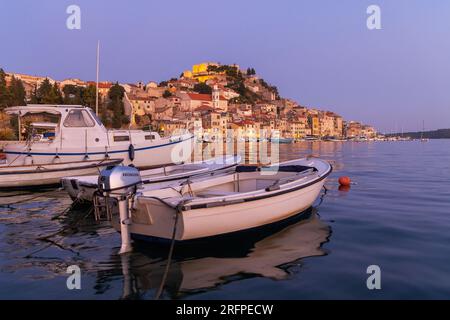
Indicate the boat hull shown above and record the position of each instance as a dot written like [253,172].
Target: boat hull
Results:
[207,222]
[148,155]
[154,219]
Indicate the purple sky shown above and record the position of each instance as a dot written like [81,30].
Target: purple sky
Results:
[318,52]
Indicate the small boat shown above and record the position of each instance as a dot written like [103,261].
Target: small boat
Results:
[83,188]
[247,198]
[282,140]
[78,134]
[311,138]
[37,175]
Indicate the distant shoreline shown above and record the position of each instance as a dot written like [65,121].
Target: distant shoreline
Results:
[434,134]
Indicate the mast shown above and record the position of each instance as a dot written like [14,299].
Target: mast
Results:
[423,129]
[96,87]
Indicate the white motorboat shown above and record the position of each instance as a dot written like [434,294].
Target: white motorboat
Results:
[83,188]
[49,174]
[80,135]
[248,198]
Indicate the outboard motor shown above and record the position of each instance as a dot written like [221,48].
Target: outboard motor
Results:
[121,182]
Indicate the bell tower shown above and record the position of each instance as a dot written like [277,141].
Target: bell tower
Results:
[215,97]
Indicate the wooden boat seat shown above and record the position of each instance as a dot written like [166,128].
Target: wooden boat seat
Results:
[214,193]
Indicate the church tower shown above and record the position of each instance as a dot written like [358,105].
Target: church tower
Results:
[215,97]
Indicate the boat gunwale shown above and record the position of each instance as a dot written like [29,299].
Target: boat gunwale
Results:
[180,176]
[248,196]
[269,194]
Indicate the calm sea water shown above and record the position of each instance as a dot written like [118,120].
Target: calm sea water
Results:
[396,216]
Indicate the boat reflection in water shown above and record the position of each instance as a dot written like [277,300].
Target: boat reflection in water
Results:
[205,266]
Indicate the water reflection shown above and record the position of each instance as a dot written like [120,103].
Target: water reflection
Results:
[271,254]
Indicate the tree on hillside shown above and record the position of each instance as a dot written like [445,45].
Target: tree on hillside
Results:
[115,104]
[202,88]
[48,93]
[34,98]
[72,94]
[4,92]
[167,94]
[17,92]
[88,97]
[251,72]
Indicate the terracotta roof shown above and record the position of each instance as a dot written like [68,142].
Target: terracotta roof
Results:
[200,96]
[204,107]
[101,85]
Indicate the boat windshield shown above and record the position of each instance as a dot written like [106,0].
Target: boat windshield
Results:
[96,118]
[78,118]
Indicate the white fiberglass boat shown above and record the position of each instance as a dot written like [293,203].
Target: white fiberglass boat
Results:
[247,198]
[83,188]
[49,174]
[80,135]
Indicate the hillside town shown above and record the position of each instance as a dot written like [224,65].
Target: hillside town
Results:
[209,99]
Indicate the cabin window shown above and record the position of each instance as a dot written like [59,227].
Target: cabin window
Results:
[78,118]
[96,118]
[150,137]
[121,138]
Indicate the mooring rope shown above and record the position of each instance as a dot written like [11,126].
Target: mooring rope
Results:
[178,210]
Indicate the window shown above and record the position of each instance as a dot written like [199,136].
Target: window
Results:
[121,138]
[150,137]
[78,118]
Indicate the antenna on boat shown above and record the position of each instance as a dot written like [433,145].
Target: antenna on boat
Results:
[96,86]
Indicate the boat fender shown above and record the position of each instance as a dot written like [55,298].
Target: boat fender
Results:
[56,159]
[131,152]
[345,181]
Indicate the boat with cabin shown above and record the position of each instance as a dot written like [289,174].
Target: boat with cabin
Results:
[77,134]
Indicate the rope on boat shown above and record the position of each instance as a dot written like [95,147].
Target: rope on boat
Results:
[325,191]
[72,205]
[178,210]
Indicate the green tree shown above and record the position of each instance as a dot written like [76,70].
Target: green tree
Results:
[34,95]
[4,92]
[72,94]
[48,93]
[88,97]
[115,104]
[202,88]
[17,92]
[167,94]
[56,94]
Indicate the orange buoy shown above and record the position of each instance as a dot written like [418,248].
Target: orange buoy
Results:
[345,181]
